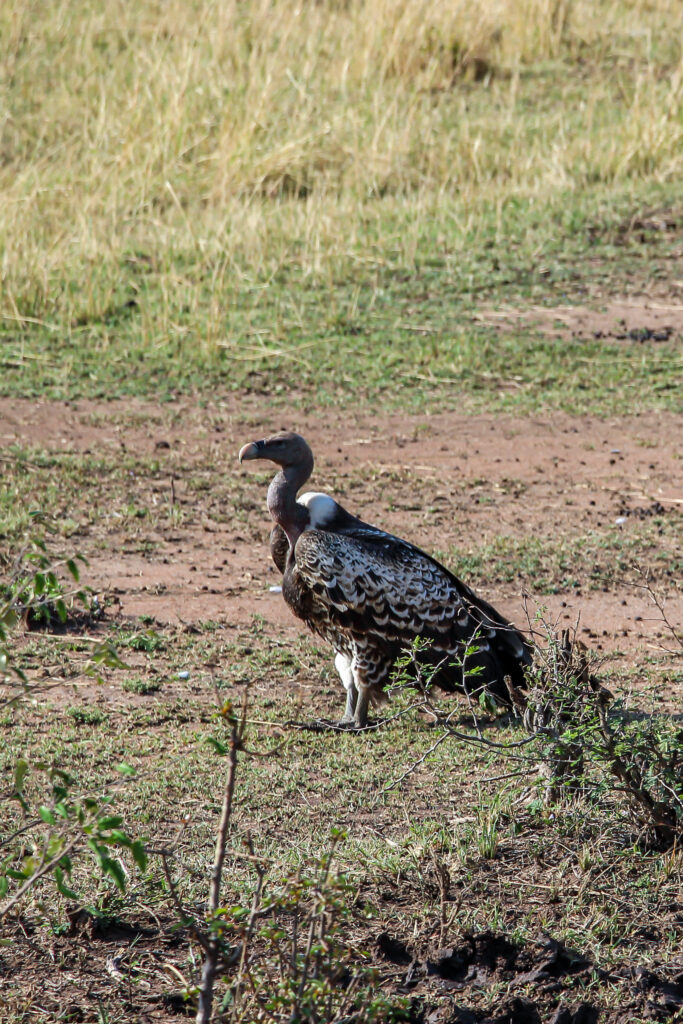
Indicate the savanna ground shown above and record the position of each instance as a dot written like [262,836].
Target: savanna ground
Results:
[444,242]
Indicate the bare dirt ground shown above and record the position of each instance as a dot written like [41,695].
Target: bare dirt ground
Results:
[637,320]
[448,482]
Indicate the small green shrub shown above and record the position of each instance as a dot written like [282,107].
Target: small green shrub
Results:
[87,716]
[141,686]
[77,825]
[303,964]
[41,589]
[147,641]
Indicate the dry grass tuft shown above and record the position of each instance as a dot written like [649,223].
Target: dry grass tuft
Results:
[246,136]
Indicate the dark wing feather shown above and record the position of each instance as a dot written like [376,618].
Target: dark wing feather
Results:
[370,583]
[353,579]
[371,587]
[482,613]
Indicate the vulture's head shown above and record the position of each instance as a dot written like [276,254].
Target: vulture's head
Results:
[285,449]
[291,452]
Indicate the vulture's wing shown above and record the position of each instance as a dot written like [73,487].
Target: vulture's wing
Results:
[484,616]
[371,582]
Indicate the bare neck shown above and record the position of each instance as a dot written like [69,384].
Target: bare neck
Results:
[282,503]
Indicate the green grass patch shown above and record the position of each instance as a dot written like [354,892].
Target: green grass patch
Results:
[403,335]
[142,687]
[227,225]
[598,560]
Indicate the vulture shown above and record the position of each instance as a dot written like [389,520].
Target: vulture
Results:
[371,594]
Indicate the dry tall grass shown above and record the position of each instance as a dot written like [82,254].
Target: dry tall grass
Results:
[246,135]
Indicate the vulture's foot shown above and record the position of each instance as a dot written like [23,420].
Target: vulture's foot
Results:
[324,725]
[343,725]
[348,724]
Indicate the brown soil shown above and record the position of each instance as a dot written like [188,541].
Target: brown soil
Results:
[637,320]
[140,970]
[446,481]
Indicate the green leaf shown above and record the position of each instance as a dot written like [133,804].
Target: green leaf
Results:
[20,770]
[105,654]
[126,769]
[219,747]
[61,610]
[115,869]
[9,617]
[63,887]
[73,569]
[55,844]
[100,853]
[139,854]
[39,583]
[109,821]
[47,815]
[4,886]
[120,838]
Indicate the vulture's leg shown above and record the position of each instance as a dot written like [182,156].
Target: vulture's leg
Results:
[343,666]
[361,668]
[360,716]
[371,671]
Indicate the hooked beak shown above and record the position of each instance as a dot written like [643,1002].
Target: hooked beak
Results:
[251,451]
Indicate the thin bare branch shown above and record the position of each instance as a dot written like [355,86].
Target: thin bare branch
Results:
[212,955]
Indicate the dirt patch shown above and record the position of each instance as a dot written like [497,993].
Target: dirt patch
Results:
[142,968]
[451,483]
[534,977]
[74,974]
[637,320]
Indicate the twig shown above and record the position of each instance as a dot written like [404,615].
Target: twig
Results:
[654,597]
[416,764]
[507,775]
[678,637]
[477,740]
[212,956]
[19,459]
[25,828]
[253,916]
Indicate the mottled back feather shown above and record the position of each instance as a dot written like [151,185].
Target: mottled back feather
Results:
[365,590]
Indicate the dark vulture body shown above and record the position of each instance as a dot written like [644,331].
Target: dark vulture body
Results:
[371,594]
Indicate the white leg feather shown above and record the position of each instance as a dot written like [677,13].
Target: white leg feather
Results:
[343,666]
